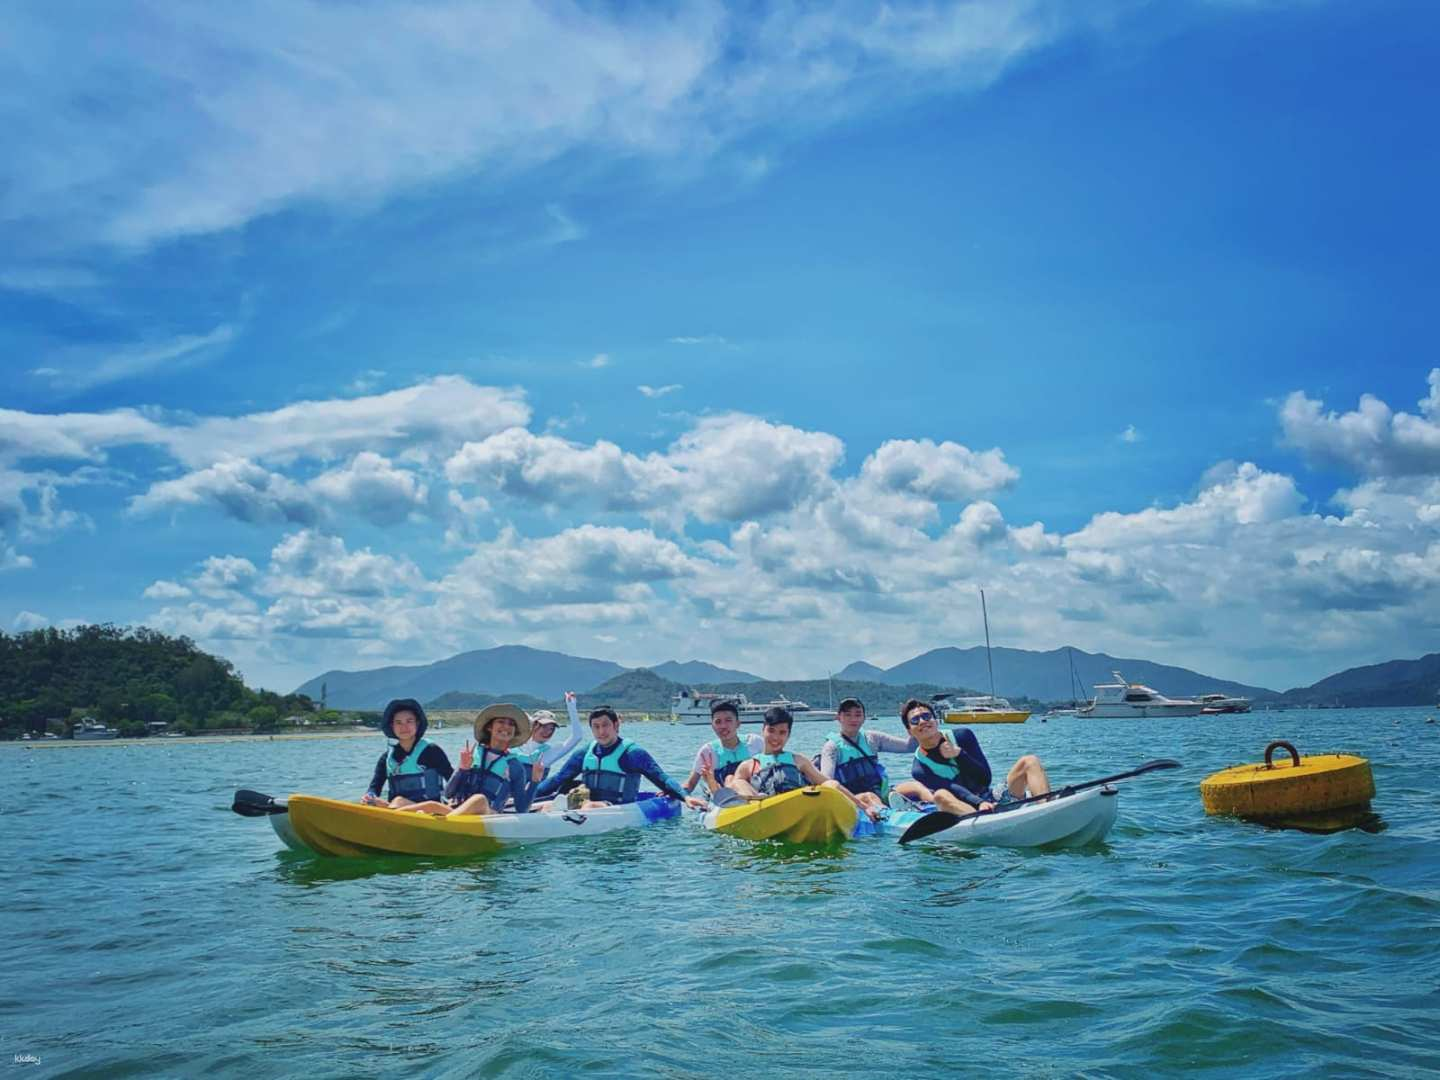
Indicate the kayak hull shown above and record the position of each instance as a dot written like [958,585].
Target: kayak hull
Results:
[1070,821]
[351,830]
[808,815]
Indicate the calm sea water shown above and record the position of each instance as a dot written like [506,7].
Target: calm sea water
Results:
[152,932]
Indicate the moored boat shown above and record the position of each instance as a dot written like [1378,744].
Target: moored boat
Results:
[88,730]
[1223,703]
[693,707]
[983,709]
[1122,699]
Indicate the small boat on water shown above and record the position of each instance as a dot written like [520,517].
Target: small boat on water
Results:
[1212,704]
[984,709]
[1122,699]
[89,730]
[1066,821]
[333,827]
[693,707]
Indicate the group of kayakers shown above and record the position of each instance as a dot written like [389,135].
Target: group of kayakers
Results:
[509,769]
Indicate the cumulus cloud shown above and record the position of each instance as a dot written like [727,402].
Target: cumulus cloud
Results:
[165,590]
[943,472]
[239,487]
[29,620]
[658,391]
[312,564]
[1371,439]
[372,487]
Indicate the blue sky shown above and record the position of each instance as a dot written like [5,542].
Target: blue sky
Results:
[346,335]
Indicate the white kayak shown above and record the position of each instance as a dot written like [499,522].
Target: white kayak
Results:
[1067,821]
[334,827]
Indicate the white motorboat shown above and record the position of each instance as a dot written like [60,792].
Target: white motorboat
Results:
[1211,704]
[693,707]
[1126,699]
[89,730]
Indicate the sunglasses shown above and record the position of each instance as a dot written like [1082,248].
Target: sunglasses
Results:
[921,718]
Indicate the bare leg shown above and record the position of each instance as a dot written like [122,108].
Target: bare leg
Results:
[742,787]
[430,806]
[399,802]
[475,804]
[913,789]
[591,804]
[951,805]
[870,799]
[1027,772]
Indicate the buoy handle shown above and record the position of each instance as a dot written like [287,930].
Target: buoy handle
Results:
[1281,744]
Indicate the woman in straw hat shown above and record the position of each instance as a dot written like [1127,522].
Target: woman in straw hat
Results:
[491,775]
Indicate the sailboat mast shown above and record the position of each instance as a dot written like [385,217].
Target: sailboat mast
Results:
[986,616]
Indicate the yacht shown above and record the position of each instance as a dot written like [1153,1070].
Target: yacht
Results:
[89,730]
[1127,699]
[1222,703]
[983,709]
[693,707]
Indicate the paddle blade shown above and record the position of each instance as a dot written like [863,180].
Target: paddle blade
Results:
[929,825]
[255,804]
[1158,763]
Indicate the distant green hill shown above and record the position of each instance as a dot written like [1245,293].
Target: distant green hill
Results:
[462,699]
[640,690]
[128,678]
[881,699]
[1395,682]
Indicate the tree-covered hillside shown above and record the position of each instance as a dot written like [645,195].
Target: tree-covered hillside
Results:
[127,678]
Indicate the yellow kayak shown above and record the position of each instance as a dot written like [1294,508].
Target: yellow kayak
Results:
[806,816]
[348,829]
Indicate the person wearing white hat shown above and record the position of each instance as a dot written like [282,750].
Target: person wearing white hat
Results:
[542,732]
[500,777]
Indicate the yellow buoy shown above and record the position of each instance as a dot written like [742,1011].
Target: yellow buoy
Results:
[1321,790]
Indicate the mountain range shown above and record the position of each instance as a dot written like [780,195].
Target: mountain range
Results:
[507,670]
[1045,676]
[1019,673]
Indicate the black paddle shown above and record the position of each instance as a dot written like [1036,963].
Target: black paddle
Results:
[940,820]
[256,804]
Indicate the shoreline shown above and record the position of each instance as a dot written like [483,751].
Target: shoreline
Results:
[191,740]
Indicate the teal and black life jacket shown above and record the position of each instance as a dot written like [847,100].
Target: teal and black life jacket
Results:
[409,779]
[777,773]
[957,770]
[604,776]
[491,779]
[857,766]
[728,761]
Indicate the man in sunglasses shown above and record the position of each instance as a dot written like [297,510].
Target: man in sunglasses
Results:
[957,772]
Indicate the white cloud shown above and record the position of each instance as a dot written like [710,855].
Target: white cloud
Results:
[658,391]
[10,559]
[314,565]
[241,488]
[227,117]
[1130,435]
[165,590]
[599,360]
[222,574]
[705,339]
[946,472]
[29,620]
[372,487]
[1371,440]
[98,366]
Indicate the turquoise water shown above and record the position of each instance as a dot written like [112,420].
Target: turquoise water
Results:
[152,932]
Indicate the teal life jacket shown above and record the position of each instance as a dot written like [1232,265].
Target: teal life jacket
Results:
[728,761]
[492,780]
[857,766]
[606,779]
[409,779]
[777,774]
[957,770]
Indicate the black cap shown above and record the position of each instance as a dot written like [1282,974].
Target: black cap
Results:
[850,703]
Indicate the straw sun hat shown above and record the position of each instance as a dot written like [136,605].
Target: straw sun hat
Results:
[491,712]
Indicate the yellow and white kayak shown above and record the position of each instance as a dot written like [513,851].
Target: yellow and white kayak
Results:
[810,815]
[348,829]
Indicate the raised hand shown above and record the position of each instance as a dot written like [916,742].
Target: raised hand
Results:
[537,769]
[467,755]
